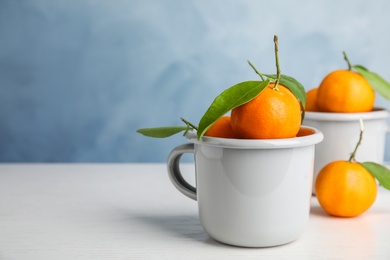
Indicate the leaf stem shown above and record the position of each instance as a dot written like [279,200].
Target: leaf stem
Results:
[353,154]
[257,72]
[347,60]
[278,73]
[188,123]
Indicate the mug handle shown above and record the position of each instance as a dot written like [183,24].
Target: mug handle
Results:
[174,170]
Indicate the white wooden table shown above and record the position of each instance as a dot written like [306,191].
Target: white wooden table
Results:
[132,211]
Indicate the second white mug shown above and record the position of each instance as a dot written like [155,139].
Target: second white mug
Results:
[341,134]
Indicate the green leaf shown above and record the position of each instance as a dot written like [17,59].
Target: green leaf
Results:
[292,84]
[380,172]
[232,97]
[162,132]
[377,82]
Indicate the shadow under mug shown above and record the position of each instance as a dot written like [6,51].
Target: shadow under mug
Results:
[341,134]
[250,193]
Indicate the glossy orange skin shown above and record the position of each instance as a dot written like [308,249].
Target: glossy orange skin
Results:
[311,100]
[221,128]
[345,91]
[273,114]
[345,189]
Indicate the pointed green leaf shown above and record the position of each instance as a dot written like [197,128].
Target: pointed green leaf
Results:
[232,97]
[380,172]
[292,84]
[377,82]
[161,132]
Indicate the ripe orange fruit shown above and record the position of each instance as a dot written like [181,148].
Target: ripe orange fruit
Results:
[273,114]
[221,128]
[345,91]
[345,189]
[311,100]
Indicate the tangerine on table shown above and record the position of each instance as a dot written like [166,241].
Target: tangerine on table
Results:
[311,100]
[345,189]
[274,113]
[221,128]
[345,91]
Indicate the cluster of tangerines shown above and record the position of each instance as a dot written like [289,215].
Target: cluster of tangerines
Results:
[276,112]
[343,188]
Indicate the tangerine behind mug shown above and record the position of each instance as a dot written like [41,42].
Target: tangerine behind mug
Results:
[341,134]
[250,193]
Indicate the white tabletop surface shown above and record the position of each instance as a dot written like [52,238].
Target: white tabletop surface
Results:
[132,211]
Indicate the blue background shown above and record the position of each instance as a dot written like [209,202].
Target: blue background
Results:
[78,77]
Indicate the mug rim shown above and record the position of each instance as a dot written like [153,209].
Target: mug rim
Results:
[300,141]
[376,113]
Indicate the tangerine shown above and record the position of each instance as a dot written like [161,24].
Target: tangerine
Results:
[345,91]
[221,128]
[275,113]
[311,100]
[345,189]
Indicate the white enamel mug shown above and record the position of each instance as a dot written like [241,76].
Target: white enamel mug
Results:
[250,193]
[341,134]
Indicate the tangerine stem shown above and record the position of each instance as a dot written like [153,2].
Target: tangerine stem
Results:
[257,72]
[277,63]
[353,154]
[347,60]
[188,123]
